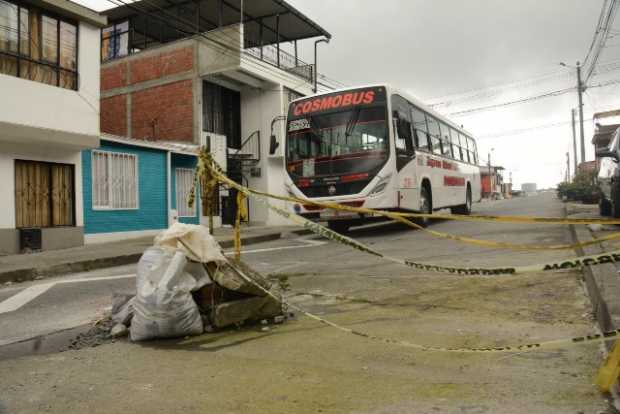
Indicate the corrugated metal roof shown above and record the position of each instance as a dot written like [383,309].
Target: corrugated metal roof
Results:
[171,146]
[293,25]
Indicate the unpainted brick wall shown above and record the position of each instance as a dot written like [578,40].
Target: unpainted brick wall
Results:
[164,64]
[113,75]
[163,112]
[113,115]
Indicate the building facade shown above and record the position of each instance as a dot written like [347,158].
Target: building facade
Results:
[492,182]
[208,73]
[137,188]
[49,78]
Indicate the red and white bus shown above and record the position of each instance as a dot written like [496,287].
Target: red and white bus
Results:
[377,147]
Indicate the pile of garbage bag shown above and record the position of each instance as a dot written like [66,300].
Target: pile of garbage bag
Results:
[186,286]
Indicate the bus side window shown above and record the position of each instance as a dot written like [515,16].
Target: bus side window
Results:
[403,133]
[471,146]
[445,141]
[463,140]
[420,129]
[454,140]
[433,131]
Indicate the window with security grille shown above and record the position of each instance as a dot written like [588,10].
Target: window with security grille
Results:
[184,183]
[115,180]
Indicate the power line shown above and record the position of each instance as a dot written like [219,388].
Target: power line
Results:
[474,94]
[515,102]
[597,31]
[600,36]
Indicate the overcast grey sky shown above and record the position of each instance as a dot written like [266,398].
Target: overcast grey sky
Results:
[434,48]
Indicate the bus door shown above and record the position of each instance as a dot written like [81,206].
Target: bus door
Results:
[405,154]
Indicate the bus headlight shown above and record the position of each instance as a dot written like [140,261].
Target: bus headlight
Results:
[380,187]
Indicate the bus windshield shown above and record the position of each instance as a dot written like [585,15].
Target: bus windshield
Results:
[337,142]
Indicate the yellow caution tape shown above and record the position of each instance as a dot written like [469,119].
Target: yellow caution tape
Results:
[401,217]
[606,336]
[610,371]
[564,264]
[241,215]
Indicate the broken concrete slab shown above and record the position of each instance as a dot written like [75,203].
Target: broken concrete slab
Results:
[239,311]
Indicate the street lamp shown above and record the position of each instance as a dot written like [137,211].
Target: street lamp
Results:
[316,72]
[580,90]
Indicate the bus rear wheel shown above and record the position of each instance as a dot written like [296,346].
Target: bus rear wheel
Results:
[339,226]
[463,209]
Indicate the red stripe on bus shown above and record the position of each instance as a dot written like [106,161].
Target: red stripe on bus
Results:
[453,181]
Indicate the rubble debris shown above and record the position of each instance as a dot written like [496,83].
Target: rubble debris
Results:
[186,286]
[119,330]
[96,335]
[122,308]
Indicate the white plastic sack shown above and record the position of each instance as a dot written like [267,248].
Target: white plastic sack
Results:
[202,246]
[164,307]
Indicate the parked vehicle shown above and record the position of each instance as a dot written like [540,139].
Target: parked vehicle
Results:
[608,177]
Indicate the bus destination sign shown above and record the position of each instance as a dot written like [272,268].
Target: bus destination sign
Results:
[338,100]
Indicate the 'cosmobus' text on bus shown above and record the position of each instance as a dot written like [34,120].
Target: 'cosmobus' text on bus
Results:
[333,102]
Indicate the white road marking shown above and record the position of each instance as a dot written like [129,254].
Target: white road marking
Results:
[17,301]
[94,279]
[31,293]
[308,243]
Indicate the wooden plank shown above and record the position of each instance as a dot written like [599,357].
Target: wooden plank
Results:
[43,195]
[19,195]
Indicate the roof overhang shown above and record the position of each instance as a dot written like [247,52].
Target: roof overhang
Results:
[167,146]
[72,10]
[275,16]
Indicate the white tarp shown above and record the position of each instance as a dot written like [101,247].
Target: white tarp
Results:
[202,246]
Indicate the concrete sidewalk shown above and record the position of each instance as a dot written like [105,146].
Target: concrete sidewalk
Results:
[602,281]
[24,267]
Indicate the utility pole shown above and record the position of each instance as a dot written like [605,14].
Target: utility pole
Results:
[567,166]
[580,90]
[572,112]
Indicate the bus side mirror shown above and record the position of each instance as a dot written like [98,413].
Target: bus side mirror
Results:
[273,145]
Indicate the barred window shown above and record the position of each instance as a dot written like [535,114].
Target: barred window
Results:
[184,181]
[115,180]
[38,47]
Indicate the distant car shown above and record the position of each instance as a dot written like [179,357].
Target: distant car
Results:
[608,177]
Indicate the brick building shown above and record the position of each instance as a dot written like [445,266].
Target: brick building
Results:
[201,72]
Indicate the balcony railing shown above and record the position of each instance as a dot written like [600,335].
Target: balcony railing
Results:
[281,59]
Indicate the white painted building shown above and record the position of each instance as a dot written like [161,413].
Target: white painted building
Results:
[49,112]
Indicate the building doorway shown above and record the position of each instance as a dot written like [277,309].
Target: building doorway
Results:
[44,194]
[221,111]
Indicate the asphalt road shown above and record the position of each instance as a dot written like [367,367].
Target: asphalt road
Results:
[304,367]
[37,308]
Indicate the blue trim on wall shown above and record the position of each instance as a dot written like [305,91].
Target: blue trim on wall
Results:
[183,161]
[152,213]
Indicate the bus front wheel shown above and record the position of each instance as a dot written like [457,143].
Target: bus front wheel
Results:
[426,207]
